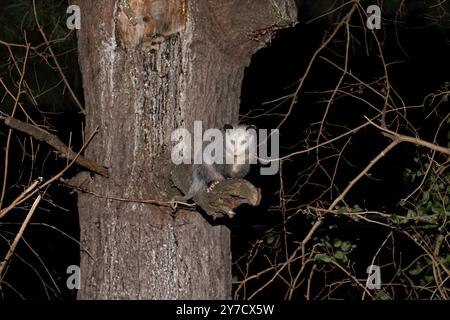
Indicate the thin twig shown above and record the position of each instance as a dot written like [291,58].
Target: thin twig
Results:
[74,96]
[363,172]
[8,140]
[403,138]
[53,140]
[4,211]
[10,252]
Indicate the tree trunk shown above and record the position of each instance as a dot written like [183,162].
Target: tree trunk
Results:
[148,68]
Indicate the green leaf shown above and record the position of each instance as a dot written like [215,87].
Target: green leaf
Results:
[337,243]
[346,246]
[436,209]
[381,295]
[411,213]
[394,219]
[339,255]
[322,257]
[270,239]
[417,270]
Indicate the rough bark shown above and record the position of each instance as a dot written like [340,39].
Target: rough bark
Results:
[141,83]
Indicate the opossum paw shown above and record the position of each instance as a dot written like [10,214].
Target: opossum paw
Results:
[211,186]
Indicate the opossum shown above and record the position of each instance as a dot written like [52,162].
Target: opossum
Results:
[239,150]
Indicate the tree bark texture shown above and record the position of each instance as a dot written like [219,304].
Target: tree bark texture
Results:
[148,68]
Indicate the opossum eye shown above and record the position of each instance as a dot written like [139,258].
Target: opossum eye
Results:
[232,141]
[243,142]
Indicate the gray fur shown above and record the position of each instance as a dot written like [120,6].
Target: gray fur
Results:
[205,174]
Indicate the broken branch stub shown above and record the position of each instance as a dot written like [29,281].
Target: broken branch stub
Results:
[226,196]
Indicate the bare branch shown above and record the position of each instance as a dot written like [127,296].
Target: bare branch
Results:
[63,150]
[10,252]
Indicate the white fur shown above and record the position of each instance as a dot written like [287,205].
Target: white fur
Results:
[238,145]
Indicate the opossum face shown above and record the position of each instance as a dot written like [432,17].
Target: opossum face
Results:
[238,143]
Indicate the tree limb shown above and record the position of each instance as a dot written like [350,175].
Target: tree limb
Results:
[51,139]
[403,138]
[224,198]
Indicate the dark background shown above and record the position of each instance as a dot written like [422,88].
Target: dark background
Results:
[422,54]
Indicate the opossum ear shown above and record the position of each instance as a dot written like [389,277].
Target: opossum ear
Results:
[227,126]
[251,126]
